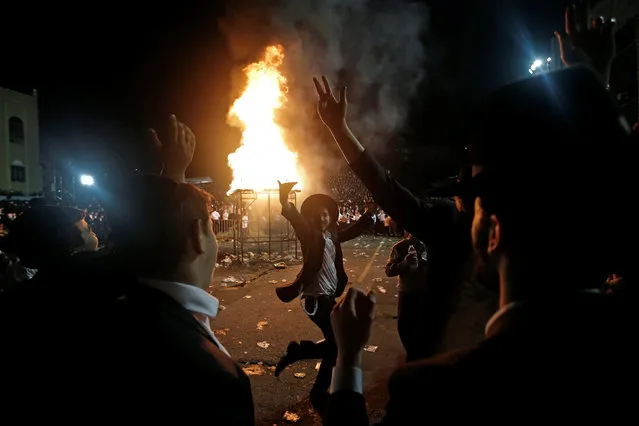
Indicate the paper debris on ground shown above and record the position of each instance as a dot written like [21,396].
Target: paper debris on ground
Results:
[232,280]
[317,366]
[370,348]
[300,375]
[261,325]
[291,417]
[272,282]
[248,296]
[221,307]
[221,331]
[377,280]
[263,345]
[290,310]
[283,281]
[280,265]
[253,370]
[381,289]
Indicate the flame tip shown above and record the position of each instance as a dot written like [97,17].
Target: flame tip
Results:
[263,155]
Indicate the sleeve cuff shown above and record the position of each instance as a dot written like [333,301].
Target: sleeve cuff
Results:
[347,379]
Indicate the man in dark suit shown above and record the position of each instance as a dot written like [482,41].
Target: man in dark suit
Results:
[170,356]
[321,280]
[542,356]
[410,266]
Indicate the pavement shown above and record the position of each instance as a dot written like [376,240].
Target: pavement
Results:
[256,327]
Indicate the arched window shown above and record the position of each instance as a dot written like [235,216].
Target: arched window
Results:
[16,130]
[18,172]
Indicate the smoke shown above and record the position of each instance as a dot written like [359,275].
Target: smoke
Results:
[373,46]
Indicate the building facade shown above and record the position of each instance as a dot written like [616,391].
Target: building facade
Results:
[20,169]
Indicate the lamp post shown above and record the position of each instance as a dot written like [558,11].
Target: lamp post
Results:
[538,65]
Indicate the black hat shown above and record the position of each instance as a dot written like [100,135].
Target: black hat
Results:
[552,157]
[453,186]
[547,130]
[317,201]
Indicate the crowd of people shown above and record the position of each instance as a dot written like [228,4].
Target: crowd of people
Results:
[124,332]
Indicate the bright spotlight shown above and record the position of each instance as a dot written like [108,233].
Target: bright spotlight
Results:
[87,180]
[549,59]
[537,63]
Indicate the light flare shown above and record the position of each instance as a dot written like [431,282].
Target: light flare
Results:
[263,157]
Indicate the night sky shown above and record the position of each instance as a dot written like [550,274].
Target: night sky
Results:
[107,71]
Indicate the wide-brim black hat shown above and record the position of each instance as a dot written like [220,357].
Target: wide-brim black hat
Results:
[537,132]
[316,201]
[458,185]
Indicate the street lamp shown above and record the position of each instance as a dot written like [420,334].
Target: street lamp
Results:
[537,65]
[87,180]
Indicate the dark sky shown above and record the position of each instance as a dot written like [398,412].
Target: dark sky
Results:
[105,72]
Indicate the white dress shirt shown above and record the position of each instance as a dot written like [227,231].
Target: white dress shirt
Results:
[191,298]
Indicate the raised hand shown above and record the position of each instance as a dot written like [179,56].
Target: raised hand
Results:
[177,152]
[285,189]
[332,111]
[592,43]
[352,320]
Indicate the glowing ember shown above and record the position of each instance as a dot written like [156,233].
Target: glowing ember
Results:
[262,158]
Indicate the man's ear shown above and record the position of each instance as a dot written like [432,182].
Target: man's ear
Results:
[198,231]
[494,234]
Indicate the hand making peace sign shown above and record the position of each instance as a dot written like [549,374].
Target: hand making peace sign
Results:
[332,111]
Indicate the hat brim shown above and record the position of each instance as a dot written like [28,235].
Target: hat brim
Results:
[317,201]
[445,189]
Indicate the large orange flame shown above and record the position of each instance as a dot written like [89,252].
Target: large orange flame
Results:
[263,157]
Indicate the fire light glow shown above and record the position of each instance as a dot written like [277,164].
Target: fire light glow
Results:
[263,157]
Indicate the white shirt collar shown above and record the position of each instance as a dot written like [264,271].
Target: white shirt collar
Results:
[191,298]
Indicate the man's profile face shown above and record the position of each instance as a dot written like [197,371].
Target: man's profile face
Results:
[484,264]
[322,219]
[210,248]
[480,233]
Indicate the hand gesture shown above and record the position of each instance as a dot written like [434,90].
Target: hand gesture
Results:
[177,152]
[592,42]
[285,189]
[331,111]
[352,320]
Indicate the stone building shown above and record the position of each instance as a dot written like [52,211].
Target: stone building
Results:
[20,169]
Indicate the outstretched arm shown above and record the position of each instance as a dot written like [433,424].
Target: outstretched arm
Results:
[297,221]
[357,229]
[399,202]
